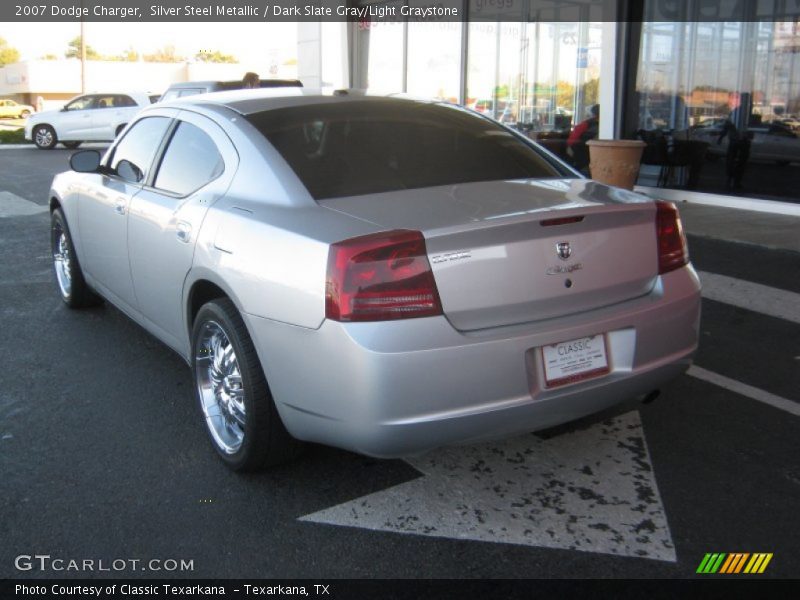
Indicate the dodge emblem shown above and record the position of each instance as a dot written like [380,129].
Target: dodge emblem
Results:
[564,250]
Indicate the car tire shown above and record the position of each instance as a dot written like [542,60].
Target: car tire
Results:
[24,114]
[74,290]
[71,145]
[232,392]
[45,137]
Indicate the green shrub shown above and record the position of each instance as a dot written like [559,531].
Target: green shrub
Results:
[12,136]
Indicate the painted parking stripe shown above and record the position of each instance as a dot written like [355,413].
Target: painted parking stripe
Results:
[12,205]
[745,390]
[591,490]
[751,296]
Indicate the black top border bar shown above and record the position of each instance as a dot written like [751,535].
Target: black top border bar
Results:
[383,11]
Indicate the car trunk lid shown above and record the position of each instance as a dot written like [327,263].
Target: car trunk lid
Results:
[511,252]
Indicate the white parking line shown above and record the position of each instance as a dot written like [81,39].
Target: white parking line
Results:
[752,296]
[743,389]
[591,490]
[12,205]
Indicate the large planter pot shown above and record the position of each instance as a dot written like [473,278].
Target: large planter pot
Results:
[615,162]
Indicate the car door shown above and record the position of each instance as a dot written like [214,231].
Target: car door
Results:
[104,204]
[75,119]
[104,117]
[194,170]
[7,108]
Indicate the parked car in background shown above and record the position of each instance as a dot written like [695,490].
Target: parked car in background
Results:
[12,110]
[775,142]
[86,118]
[377,274]
[192,88]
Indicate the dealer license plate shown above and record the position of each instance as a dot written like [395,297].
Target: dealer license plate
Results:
[575,360]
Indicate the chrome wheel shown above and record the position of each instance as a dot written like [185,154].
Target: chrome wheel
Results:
[220,388]
[44,137]
[62,261]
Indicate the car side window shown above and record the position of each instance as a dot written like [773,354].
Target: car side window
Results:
[104,102]
[189,92]
[81,103]
[133,155]
[190,161]
[123,101]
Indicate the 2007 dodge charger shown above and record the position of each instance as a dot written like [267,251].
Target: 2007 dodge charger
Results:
[379,274]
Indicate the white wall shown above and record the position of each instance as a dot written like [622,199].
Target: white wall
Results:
[64,76]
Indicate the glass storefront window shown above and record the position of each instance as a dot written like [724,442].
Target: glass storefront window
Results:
[541,78]
[434,60]
[384,50]
[719,105]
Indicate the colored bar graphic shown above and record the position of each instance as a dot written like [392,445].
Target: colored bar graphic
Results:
[703,564]
[727,564]
[755,562]
[740,563]
[764,564]
[734,563]
[715,567]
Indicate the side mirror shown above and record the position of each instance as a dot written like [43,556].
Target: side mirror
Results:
[85,161]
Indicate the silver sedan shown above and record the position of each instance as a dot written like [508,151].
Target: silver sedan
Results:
[382,275]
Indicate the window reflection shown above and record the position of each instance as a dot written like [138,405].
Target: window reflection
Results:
[718,104]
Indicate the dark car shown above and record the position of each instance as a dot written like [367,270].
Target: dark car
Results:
[191,88]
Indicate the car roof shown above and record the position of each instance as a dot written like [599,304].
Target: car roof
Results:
[248,102]
[267,83]
[115,93]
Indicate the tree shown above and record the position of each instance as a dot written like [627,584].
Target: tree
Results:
[128,55]
[8,54]
[565,93]
[74,50]
[48,56]
[165,54]
[214,57]
[591,92]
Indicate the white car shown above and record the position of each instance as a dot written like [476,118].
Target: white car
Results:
[86,118]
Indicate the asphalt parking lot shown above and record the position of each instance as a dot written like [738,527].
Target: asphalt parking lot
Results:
[103,455]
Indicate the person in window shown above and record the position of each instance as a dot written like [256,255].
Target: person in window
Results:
[584,131]
[735,128]
[251,81]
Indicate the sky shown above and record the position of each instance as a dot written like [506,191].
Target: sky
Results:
[249,42]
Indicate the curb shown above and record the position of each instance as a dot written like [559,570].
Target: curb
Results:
[32,146]
[774,207]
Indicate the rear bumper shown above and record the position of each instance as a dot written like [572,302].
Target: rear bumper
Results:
[392,389]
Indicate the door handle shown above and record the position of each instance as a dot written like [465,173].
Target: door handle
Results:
[120,206]
[184,231]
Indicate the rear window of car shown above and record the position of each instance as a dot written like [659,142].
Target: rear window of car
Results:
[367,147]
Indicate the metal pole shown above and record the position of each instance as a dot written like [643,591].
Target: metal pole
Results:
[83,55]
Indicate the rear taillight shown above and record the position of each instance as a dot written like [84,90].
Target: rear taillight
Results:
[380,277]
[672,251]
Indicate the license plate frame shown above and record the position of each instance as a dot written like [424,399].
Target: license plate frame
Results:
[581,359]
